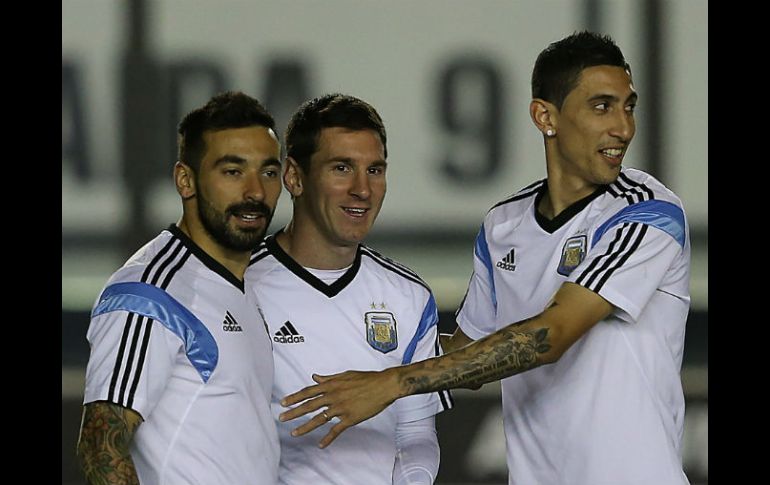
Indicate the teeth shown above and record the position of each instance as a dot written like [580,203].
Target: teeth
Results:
[249,217]
[613,152]
[357,211]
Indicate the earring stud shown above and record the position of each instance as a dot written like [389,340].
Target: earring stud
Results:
[549,132]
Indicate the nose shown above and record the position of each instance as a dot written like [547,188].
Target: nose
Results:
[361,187]
[253,189]
[624,126]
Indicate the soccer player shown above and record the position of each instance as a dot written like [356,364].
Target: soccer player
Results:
[180,373]
[331,303]
[580,285]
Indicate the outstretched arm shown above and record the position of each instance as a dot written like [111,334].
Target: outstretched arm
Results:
[356,396]
[105,435]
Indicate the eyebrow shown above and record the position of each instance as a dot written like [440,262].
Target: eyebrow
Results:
[349,161]
[614,99]
[242,161]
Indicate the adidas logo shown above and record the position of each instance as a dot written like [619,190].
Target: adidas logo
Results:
[288,335]
[507,262]
[230,325]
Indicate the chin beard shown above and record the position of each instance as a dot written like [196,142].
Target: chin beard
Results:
[233,238]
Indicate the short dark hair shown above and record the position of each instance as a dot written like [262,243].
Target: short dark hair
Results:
[328,111]
[229,109]
[558,67]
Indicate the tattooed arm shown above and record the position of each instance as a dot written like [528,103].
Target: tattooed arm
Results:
[105,434]
[356,396]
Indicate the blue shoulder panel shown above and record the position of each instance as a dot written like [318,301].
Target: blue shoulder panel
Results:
[429,318]
[152,302]
[482,252]
[666,216]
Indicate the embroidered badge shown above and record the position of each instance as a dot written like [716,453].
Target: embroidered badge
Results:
[572,254]
[381,331]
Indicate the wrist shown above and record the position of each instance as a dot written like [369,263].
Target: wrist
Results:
[395,383]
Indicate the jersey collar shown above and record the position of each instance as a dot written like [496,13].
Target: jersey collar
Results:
[329,290]
[205,258]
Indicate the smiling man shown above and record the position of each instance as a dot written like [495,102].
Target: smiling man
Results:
[179,378]
[578,299]
[332,303]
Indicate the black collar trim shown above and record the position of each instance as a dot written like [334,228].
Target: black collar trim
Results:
[205,258]
[328,290]
[552,225]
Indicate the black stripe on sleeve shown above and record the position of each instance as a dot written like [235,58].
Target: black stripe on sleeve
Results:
[628,232]
[140,363]
[121,351]
[624,258]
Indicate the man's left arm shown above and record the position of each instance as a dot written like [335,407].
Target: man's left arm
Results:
[356,396]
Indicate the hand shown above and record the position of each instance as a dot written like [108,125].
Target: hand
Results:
[351,396]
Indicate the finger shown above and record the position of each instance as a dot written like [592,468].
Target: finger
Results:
[301,395]
[318,420]
[332,434]
[321,379]
[303,409]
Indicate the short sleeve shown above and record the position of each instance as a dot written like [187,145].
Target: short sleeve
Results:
[477,312]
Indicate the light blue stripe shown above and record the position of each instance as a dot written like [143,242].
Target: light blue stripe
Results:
[429,319]
[482,252]
[152,302]
[666,216]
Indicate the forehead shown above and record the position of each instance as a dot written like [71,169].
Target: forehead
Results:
[604,80]
[337,142]
[247,142]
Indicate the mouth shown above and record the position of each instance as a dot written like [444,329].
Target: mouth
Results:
[249,218]
[614,155]
[355,212]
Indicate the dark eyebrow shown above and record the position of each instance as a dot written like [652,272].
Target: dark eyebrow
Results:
[242,161]
[229,159]
[613,99]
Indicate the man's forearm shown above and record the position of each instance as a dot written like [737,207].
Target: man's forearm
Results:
[509,351]
[103,447]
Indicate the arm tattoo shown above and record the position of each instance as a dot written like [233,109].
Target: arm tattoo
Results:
[510,351]
[103,445]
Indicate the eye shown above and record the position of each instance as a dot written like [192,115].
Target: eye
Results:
[270,173]
[376,170]
[631,108]
[232,172]
[604,106]
[341,167]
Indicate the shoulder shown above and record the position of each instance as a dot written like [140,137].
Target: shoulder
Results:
[391,269]
[515,204]
[634,186]
[261,262]
[157,254]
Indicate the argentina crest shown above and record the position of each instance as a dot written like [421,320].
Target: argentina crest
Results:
[381,331]
[572,254]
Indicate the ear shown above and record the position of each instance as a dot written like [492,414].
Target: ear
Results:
[292,177]
[184,178]
[544,115]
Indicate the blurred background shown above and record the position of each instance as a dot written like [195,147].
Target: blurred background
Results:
[451,81]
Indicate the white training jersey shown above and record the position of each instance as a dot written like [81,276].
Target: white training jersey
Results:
[373,315]
[611,410]
[175,337]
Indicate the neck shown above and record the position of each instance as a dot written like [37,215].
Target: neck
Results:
[311,250]
[563,190]
[234,261]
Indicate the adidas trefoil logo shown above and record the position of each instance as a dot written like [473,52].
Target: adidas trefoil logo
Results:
[507,262]
[288,335]
[230,324]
